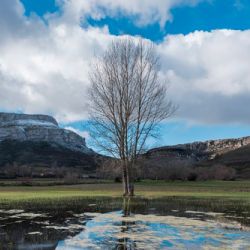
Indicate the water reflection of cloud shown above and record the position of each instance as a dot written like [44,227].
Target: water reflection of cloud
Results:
[109,230]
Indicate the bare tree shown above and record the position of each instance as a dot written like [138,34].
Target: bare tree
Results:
[127,102]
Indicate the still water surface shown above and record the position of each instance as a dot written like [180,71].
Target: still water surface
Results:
[147,226]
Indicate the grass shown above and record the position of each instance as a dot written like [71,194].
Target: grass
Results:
[48,181]
[236,190]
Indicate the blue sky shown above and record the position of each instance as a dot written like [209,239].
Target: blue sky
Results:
[207,16]
[173,133]
[40,7]
[199,42]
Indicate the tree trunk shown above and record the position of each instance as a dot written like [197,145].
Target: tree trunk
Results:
[131,178]
[125,180]
[128,186]
[131,188]
[130,182]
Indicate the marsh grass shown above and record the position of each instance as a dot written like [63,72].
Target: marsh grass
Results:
[234,193]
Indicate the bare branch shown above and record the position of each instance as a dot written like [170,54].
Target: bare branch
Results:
[127,99]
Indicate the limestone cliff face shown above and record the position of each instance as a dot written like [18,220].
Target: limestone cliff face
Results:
[201,150]
[218,147]
[39,128]
[232,153]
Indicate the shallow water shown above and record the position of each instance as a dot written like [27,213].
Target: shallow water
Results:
[114,231]
[146,225]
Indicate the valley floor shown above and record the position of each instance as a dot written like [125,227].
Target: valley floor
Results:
[233,190]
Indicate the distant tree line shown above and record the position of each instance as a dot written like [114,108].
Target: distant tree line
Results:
[174,171]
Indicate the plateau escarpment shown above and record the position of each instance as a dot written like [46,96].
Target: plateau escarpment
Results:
[231,153]
[38,141]
[39,128]
[197,151]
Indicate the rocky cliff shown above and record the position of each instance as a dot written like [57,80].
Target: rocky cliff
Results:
[207,150]
[231,153]
[39,128]
[38,142]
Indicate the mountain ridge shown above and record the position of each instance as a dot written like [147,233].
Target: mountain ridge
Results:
[221,155]
[39,128]
[37,142]
[211,148]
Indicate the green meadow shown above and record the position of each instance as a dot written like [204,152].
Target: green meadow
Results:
[236,190]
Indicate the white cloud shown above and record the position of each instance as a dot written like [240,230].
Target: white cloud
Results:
[44,68]
[144,12]
[209,74]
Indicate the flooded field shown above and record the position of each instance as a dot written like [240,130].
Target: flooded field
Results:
[127,224]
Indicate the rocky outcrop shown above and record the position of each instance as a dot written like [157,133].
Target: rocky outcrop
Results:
[229,153]
[35,145]
[202,150]
[39,128]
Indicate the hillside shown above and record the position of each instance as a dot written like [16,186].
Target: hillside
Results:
[37,141]
[231,153]
[35,144]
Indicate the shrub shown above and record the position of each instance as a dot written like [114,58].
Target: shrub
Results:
[216,172]
[222,172]
[192,176]
[118,179]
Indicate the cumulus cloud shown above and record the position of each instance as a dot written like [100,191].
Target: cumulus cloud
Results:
[44,67]
[143,12]
[209,74]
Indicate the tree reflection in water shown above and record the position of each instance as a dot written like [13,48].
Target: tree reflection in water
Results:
[141,224]
[126,243]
